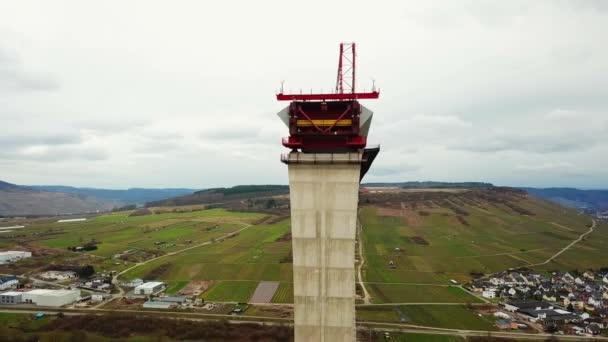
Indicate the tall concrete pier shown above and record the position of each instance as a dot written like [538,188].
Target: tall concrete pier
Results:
[324,190]
[328,159]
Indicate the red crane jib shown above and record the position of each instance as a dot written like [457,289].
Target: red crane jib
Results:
[325,126]
[328,97]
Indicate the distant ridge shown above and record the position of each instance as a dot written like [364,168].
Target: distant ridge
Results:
[244,192]
[4,186]
[128,196]
[18,200]
[216,195]
[432,185]
[593,200]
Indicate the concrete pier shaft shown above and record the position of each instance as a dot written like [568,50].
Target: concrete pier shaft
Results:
[324,191]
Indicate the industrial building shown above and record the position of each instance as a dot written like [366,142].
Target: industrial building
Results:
[149,288]
[10,297]
[8,282]
[11,256]
[44,297]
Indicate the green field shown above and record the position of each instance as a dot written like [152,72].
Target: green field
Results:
[284,293]
[413,337]
[430,244]
[408,293]
[231,291]
[174,287]
[442,316]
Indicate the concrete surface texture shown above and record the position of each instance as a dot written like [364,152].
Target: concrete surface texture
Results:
[324,192]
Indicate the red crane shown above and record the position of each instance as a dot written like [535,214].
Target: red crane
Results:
[332,122]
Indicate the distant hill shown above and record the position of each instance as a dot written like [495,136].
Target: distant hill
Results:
[220,195]
[596,200]
[128,196]
[18,200]
[4,186]
[432,185]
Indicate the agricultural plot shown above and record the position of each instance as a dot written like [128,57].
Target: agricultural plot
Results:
[441,316]
[284,294]
[414,337]
[426,244]
[264,292]
[409,293]
[242,257]
[231,291]
[176,287]
[161,232]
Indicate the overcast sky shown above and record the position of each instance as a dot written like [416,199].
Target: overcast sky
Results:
[125,94]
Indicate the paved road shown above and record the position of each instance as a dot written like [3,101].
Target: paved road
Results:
[362,325]
[567,247]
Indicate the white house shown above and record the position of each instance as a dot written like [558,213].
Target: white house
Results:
[10,297]
[489,293]
[58,275]
[579,281]
[497,281]
[568,278]
[44,297]
[149,288]
[502,315]
[97,297]
[589,275]
[134,283]
[595,301]
[605,279]
[10,256]
[9,282]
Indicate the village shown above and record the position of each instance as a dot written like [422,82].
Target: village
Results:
[559,302]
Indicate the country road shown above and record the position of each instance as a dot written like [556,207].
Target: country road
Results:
[366,297]
[593,225]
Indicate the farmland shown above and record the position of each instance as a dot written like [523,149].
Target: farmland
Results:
[433,238]
[441,316]
[436,239]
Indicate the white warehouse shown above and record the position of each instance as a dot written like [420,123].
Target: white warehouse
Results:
[10,297]
[149,288]
[44,297]
[10,256]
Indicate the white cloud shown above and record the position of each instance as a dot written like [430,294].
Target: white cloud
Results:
[153,94]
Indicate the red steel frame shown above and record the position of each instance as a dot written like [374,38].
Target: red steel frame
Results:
[331,120]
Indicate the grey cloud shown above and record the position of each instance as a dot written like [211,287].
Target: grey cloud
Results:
[393,171]
[13,77]
[55,154]
[557,168]
[534,144]
[18,141]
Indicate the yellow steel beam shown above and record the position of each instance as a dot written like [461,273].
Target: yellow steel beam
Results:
[320,123]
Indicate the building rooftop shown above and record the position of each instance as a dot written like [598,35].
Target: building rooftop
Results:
[11,293]
[150,285]
[531,305]
[11,252]
[48,292]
